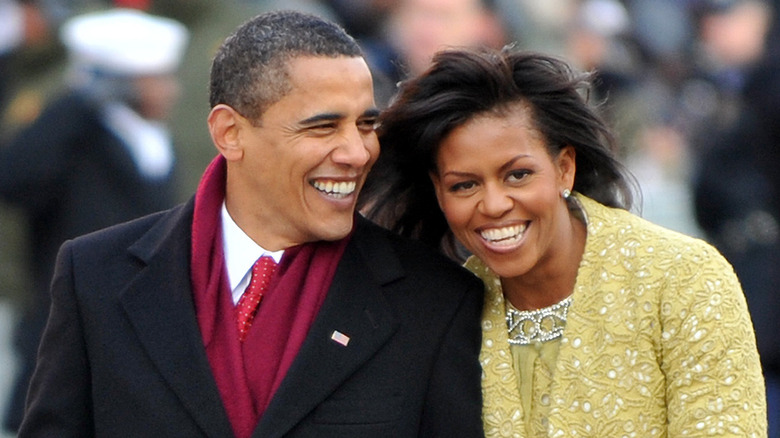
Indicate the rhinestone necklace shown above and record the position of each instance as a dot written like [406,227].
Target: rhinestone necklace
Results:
[526,327]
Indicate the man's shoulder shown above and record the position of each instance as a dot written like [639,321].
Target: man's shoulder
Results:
[421,284]
[125,234]
[417,258]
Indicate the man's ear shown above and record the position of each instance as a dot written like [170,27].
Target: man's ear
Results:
[225,127]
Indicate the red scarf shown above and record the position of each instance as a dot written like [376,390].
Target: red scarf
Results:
[248,373]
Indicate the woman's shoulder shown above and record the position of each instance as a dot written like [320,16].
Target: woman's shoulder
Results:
[633,235]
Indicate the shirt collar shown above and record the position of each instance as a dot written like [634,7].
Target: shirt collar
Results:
[240,250]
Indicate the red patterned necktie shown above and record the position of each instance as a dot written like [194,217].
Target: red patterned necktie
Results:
[262,271]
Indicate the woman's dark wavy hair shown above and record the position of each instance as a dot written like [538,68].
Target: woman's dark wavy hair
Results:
[465,83]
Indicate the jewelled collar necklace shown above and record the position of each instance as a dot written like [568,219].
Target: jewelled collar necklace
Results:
[527,327]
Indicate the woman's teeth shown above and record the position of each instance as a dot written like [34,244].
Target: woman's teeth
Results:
[503,235]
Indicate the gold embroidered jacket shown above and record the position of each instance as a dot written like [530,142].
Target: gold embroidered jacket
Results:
[658,342]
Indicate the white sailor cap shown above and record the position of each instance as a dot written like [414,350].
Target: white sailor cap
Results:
[125,42]
[608,18]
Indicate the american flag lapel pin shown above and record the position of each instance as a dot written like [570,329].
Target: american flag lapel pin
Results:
[340,338]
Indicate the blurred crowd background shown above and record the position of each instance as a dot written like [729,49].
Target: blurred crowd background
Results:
[691,87]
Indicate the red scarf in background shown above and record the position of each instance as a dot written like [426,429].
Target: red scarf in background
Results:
[248,373]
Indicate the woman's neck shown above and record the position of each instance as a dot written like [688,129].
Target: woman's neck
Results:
[547,286]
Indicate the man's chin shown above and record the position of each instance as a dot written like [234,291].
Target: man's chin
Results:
[336,230]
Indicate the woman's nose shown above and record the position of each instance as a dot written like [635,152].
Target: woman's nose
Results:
[495,201]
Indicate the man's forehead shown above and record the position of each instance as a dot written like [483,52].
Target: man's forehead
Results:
[295,62]
[327,87]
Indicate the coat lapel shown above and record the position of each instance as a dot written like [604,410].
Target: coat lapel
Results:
[355,307]
[160,306]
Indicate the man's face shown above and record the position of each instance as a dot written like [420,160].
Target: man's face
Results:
[306,160]
[157,95]
[423,27]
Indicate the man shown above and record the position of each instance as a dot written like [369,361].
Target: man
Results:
[736,185]
[22,25]
[100,153]
[358,334]
[412,31]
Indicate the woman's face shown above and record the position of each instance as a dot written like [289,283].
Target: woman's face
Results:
[500,191]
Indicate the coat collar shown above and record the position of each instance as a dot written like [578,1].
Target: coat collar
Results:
[353,308]
[160,306]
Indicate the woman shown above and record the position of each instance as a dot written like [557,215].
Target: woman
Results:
[596,322]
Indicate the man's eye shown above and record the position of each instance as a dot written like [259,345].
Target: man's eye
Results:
[368,124]
[324,126]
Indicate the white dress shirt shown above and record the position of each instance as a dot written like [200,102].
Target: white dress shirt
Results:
[148,142]
[241,252]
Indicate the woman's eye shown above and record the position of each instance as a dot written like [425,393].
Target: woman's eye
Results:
[517,175]
[462,186]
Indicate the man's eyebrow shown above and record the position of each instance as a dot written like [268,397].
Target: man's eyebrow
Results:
[373,112]
[324,117]
[329,117]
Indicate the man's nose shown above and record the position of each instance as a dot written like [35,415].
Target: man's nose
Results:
[353,150]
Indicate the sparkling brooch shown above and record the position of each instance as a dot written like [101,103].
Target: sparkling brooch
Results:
[526,327]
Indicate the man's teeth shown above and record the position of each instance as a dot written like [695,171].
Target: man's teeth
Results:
[503,235]
[335,188]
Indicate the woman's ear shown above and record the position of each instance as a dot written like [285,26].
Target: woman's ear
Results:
[437,186]
[567,167]
[225,125]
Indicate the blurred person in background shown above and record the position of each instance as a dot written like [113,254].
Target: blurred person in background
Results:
[21,25]
[99,154]
[596,41]
[737,180]
[730,43]
[539,26]
[420,28]
[604,39]
[413,30]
